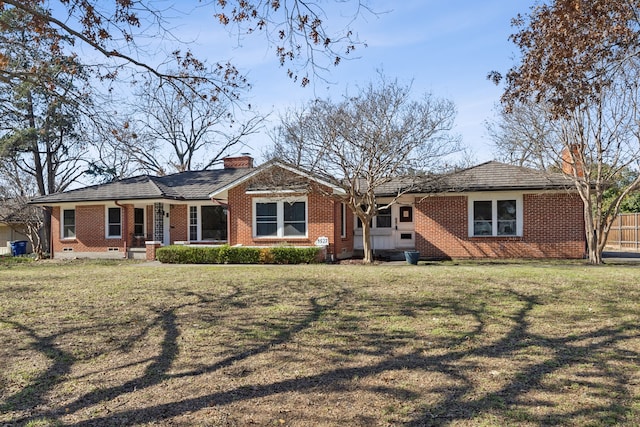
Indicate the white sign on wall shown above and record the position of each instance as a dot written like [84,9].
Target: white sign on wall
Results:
[322,241]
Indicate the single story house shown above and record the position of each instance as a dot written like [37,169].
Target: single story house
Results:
[491,210]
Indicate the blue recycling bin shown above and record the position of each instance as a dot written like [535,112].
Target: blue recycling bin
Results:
[412,257]
[19,247]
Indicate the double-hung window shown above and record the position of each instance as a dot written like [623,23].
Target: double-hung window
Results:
[496,216]
[68,223]
[280,218]
[114,222]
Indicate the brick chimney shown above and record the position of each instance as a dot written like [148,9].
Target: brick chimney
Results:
[244,161]
[572,158]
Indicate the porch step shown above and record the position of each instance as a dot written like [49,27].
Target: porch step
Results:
[137,253]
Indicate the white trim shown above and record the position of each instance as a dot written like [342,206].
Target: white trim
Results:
[266,166]
[275,191]
[279,217]
[494,197]
[75,226]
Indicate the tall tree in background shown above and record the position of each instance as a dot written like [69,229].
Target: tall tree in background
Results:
[367,141]
[182,130]
[580,68]
[40,105]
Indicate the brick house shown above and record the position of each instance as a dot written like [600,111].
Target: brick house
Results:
[490,210]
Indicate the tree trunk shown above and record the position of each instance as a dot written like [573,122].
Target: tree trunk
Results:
[366,243]
[594,250]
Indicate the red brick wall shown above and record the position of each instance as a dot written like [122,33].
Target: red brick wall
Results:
[553,227]
[322,221]
[149,222]
[240,162]
[90,230]
[179,222]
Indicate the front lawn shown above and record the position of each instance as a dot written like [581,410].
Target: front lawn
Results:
[117,343]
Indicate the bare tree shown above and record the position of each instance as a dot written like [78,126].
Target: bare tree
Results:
[523,134]
[16,189]
[365,142]
[580,64]
[181,130]
[595,145]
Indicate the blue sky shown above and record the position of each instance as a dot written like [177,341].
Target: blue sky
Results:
[444,47]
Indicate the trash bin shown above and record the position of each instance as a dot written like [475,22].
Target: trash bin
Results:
[19,247]
[412,257]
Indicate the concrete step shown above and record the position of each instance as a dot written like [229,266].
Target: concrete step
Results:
[137,253]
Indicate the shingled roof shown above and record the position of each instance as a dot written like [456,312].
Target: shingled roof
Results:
[495,176]
[201,185]
[190,185]
[488,176]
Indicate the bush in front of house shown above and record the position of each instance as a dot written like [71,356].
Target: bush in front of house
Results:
[178,254]
[293,255]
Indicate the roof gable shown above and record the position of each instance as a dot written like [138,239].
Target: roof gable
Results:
[274,164]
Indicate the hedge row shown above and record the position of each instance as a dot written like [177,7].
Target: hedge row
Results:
[178,254]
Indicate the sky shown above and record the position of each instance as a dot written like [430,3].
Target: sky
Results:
[443,47]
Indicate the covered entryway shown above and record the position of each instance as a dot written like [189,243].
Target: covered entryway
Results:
[393,229]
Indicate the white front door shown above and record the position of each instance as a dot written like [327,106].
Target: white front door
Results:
[395,231]
[405,236]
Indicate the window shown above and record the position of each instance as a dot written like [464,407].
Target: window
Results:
[214,223]
[193,223]
[295,223]
[114,222]
[383,219]
[280,218]
[496,217]
[506,217]
[208,223]
[406,214]
[266,219]
[343,220]
[138,222]
[68,223]
[482,218]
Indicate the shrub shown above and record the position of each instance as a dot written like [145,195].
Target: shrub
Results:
[293,255]
[178,254]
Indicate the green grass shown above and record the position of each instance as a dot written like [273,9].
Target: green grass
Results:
[466,343]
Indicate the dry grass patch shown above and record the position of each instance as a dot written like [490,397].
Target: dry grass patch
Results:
[132,344]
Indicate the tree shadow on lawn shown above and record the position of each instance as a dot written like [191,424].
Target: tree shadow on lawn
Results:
[518,399]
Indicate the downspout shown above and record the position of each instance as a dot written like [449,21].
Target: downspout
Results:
[125,231]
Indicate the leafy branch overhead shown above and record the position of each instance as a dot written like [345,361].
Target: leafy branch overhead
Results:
[296,29]
[570,50]
[573,101]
